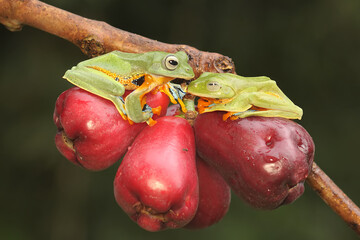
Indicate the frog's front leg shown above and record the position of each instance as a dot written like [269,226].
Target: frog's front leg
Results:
[98,83]
[175,92]
[135,101]
[134,107]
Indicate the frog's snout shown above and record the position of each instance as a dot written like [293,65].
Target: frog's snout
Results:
[190,71]
[190,87]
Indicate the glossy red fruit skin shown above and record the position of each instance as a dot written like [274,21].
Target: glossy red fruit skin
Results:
[264,160]
[214,196]
[91,133]
[156,183]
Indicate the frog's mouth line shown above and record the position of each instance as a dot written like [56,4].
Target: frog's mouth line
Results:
[181,81]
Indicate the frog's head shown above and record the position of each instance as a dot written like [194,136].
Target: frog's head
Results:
[211,85]
[173,65]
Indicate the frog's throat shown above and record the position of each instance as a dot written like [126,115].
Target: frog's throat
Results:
[150,83]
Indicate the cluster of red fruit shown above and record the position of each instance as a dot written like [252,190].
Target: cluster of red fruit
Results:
[164,181]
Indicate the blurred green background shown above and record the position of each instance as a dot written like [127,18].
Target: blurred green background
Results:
[311,48]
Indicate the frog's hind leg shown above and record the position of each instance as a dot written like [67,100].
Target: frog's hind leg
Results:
[136,107]
[120,106]
[273,105]
[98,83]
[265,113]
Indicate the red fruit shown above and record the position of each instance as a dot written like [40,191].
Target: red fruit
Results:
[264,160]
[91,132]
[214,196]
[155,99]
[158,99]
[156,183]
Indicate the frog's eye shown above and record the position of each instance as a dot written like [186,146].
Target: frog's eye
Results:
[171,62]
[213,86]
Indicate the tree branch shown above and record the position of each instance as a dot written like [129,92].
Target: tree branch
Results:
[95,37]
[334,197]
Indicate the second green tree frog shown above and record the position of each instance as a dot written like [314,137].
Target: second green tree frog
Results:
[109,75]
[242,96]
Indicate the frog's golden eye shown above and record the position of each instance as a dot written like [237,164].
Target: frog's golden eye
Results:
[213,86]
[171,62]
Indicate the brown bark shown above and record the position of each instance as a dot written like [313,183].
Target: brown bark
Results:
[334,197]
[95,37]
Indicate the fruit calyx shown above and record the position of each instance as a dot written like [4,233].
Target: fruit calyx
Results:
[67,141]
[141,209]
[70,144]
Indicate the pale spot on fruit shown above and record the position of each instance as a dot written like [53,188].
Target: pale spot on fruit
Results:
[272,168]
[155,185]
[90,125]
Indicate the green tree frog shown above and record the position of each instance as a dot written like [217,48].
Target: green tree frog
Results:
[109,75]
[242,97]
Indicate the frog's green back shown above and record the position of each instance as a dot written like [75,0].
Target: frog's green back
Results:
[111,62]
[122,63]
[153,63]
[240,83]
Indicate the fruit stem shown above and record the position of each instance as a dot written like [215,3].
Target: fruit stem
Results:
[189,101]
[334,197]
[191,114]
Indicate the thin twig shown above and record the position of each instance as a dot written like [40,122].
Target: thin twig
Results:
[95,37]
[335,197]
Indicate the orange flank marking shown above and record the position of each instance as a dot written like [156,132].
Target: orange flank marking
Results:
[222,101]
[107,72]
[127,81]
